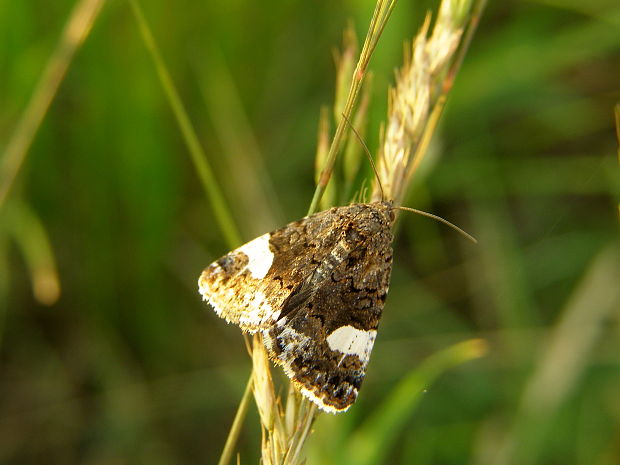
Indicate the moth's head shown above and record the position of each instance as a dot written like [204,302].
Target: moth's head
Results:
[388,209]
[382,214]
[373,219]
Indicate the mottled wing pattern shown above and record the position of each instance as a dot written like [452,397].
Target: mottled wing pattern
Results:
[249,285]
[327,327]
[316,290]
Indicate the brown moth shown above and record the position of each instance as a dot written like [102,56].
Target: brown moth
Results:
[315,289]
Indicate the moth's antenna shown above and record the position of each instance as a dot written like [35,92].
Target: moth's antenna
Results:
[413,210]
[372,162]
[441,220]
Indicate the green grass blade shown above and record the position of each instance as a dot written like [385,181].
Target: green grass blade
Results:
[199,158]
[21,224]
[235,429]
[375,437]
[563,361]
[74,34]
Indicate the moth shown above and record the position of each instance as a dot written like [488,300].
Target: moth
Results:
[315,289]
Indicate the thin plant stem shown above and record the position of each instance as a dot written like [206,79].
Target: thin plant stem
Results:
[209,184]
[310,409]
[235,429]
[74,34]
[383,10]
[199,158]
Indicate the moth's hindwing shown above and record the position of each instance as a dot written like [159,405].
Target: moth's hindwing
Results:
[316,290]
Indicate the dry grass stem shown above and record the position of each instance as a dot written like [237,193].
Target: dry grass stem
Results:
[285,429]
[235,429]
[274,439]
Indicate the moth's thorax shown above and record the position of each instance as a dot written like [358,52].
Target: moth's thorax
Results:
[375,217]
[369,224]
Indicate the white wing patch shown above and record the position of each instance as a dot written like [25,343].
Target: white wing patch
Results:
[352,341]
[260,257]
[235,288]
[293,344]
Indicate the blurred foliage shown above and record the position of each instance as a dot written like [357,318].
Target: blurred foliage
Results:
[128,366]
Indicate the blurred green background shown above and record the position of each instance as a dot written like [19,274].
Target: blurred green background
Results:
[129,366]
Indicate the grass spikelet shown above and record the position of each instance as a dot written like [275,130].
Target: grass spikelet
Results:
[416,101]
[273,443]
[284,429]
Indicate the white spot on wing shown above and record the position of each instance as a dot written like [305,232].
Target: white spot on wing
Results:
[352,341]
[293,343]
[260,257]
